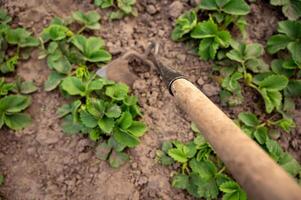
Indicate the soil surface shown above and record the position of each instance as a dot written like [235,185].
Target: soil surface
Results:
[42,163]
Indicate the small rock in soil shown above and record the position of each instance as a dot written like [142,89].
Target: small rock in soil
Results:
[210,90]
[200,81]
[175,9]
[151,9]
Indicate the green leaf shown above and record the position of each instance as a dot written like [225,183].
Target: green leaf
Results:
[180,181]
[103,151]
[286,124]
[233,7]
[290,8]
[278,68]
[274,149]
[91,48]
[178,155]
[208,48]
[126,5]
[125,138]
[64,110]
[104,3]
[96,107]
[293,88]
[137,128]
[17,121]
[55,32]
[4,19]
[116,15]
[14,103]
[184,24]
[206,169]
[87,119]
[54,79]
[117,159]
[21,37]
[125,121]
[166,146]
[97,84]
[289,164]
[116,145]
[274,83]
[248,119]
[295,49]
[28,87]
[106,124]
[165,160]
[261,135]
[206,29]
[277,42]
[73,86]
[232,191]
[59,62]
[231,82]
[94,135]
[290,28]
[89,19]
[71,127]
[117,92]
[113,111]
[272,99]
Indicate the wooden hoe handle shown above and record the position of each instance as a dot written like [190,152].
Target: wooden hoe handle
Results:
[256,172]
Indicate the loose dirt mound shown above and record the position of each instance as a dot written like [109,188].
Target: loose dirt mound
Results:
[40,162]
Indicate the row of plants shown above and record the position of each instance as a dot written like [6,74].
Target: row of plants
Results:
[216,31]
[15,45]
[203,175]
[101,109]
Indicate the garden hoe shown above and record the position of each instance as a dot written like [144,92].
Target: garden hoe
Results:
[256,172]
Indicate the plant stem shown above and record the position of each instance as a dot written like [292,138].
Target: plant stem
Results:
[221,170]
[81,30]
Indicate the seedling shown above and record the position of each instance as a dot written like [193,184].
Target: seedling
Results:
[89,20]
[125,7]
[103,110]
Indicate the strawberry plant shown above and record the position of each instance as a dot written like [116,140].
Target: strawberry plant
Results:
[213,28]
[13,102]
[202,173]
[106,112]
[101,109]
[13,40]
[65,50]
[290,8]
[260,132]
[125,7]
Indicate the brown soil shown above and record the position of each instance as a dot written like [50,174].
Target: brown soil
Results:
[42,163]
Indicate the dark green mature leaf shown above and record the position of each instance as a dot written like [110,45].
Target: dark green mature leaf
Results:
[293,88]
[274,149]
[295,49]
[274,83]
[73,86]
[106,124]
[184,25]
[92,48]
[261,135]
[290,8]
[125,121]
[231,82]
[287,124]
[278,68]
[88,120]
[17,121]
[53,80]
[64,110]
[55,32]
[272,99]
[113,111]
[21,37]
[4,18]
[137,128]
[233,7]
[118,159]
[89,19]
[180,181]
[125,138]
[71,127]
[14,103]
[59,62]
[248,119]
[289,164]
[277,42]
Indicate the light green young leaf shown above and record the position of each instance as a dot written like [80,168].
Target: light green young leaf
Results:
[28,87]
[261,135]
[125,121]
[272,99]
[113,111]
[232,191]
[248,119]
[104,3]
[125,138]
[21,37]
[117,92]
[286,124]
[55,32]
[274,83]
[233,7]
[137,128]
[73,86]
[184,24]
